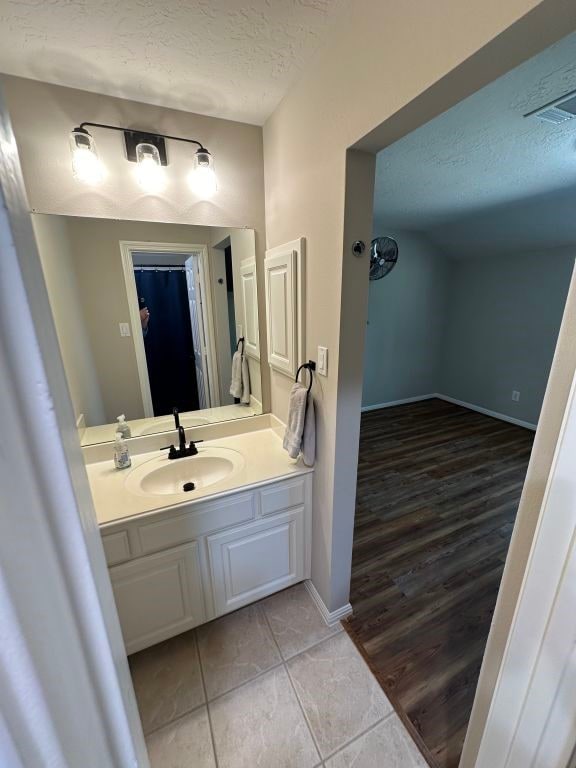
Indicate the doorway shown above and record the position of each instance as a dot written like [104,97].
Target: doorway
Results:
[168,343]
[459,347]
[170,306]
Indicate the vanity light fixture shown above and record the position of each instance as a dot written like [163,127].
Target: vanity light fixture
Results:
[202,178]
[146,149]
[149,171]
[86,165]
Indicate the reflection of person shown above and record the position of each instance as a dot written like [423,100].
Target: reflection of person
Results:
[144,315]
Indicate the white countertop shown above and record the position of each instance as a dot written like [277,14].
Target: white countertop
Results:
[264,461]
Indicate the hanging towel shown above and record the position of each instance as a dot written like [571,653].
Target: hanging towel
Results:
[300,435]
[245,397]
[236,383]
[240,384]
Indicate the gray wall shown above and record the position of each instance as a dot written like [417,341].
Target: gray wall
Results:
[472,328]
[503,315]
[405,323]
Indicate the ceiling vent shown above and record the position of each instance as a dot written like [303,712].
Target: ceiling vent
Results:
[558,111]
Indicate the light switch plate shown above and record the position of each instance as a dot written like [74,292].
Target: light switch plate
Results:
[322,363]
[124,329]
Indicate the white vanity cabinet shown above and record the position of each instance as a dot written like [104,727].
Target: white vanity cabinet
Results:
[175,568]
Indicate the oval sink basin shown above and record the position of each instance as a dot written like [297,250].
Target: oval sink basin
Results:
[165,425]
[165,477]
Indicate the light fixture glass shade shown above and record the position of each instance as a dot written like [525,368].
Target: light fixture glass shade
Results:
[149,171]
[86,165]
[202,177]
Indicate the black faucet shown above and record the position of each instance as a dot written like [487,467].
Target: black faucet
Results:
[183,450]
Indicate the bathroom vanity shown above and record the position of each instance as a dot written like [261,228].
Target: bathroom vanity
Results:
[178,559]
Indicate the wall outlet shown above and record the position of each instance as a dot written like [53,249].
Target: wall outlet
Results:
[515,395]
[124,329]
[322,363]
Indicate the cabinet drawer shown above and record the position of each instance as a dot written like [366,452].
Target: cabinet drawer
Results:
[158,596]
[116,547]
[257,560]
[280,497]
[203,518]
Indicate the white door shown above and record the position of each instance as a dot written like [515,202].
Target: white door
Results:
[196,305]
[249,292]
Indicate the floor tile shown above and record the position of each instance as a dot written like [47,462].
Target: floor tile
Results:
[387,745]
[261,725]
[339,694]
[236,648]
[167,680]
[295,620]
[186,743]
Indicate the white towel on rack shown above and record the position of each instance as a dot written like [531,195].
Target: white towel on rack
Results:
[300,435]
[236,383]
[240,384]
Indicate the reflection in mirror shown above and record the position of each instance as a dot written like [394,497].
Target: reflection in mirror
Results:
[150,318]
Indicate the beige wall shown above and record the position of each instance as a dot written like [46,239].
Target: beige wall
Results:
[43,116]
[69,317]
[360,92]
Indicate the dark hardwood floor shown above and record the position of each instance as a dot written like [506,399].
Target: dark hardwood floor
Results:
[438,491]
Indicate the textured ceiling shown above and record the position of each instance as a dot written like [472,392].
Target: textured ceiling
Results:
[481,175]
[223,58]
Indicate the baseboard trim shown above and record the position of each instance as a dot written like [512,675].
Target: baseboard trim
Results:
[330,618]
[448,399]
[392,403]
[487,412]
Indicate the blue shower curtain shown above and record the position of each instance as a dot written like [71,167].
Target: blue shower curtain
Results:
[168,341]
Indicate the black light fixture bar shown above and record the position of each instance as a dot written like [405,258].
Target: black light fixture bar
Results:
[132,138]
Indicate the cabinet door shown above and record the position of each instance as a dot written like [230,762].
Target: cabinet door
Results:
[249,290]
[281,309]
[257,560]
[158,596]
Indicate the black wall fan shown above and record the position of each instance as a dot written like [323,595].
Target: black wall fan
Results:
[383,257]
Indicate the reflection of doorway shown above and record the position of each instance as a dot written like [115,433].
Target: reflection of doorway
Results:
[176,357]
[168,340]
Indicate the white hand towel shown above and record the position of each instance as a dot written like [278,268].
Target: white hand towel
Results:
[245,397]
[236,383]
[300,432]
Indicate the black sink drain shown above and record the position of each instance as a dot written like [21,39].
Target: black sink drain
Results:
[188,487]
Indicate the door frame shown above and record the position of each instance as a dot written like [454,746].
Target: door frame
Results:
[530,721]
[66,696]
[127,248]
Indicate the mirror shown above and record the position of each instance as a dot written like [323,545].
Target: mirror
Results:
[149,317]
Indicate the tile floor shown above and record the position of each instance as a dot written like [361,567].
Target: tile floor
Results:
[270,686]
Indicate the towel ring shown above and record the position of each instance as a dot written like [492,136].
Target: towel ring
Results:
[310,366]
[240,341]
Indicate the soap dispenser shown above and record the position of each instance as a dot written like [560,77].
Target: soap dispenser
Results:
[123,427]
[122,458]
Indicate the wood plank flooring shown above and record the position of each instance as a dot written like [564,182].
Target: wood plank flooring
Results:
[438,491]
